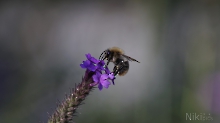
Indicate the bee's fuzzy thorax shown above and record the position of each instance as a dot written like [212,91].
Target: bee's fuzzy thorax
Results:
[116,49]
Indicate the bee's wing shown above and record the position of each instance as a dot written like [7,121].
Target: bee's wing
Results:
[129,58]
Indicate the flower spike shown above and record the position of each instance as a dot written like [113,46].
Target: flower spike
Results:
[97,73]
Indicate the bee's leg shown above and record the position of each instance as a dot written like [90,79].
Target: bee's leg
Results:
[108,62]
[116,69]
[102,55]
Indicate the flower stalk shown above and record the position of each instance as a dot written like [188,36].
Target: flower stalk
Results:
[93,76]
[65,110]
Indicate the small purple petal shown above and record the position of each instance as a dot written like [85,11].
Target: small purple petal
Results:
[101,64]
[113,82]
[100,86]
[96,77]
[103,77]
[105,83]
[88,56]
[92,67]
[82,66]
[92,59]
[85,64]
[111,76]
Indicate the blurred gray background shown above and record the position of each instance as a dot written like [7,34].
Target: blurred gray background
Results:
[177,42]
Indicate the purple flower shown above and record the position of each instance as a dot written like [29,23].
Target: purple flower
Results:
[92,59]
[97,66]
[100,65]
[96,78]
[110,75]
[101,79]
[88,65]
[104,81]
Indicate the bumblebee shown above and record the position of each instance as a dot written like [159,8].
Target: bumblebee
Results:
[120,60]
